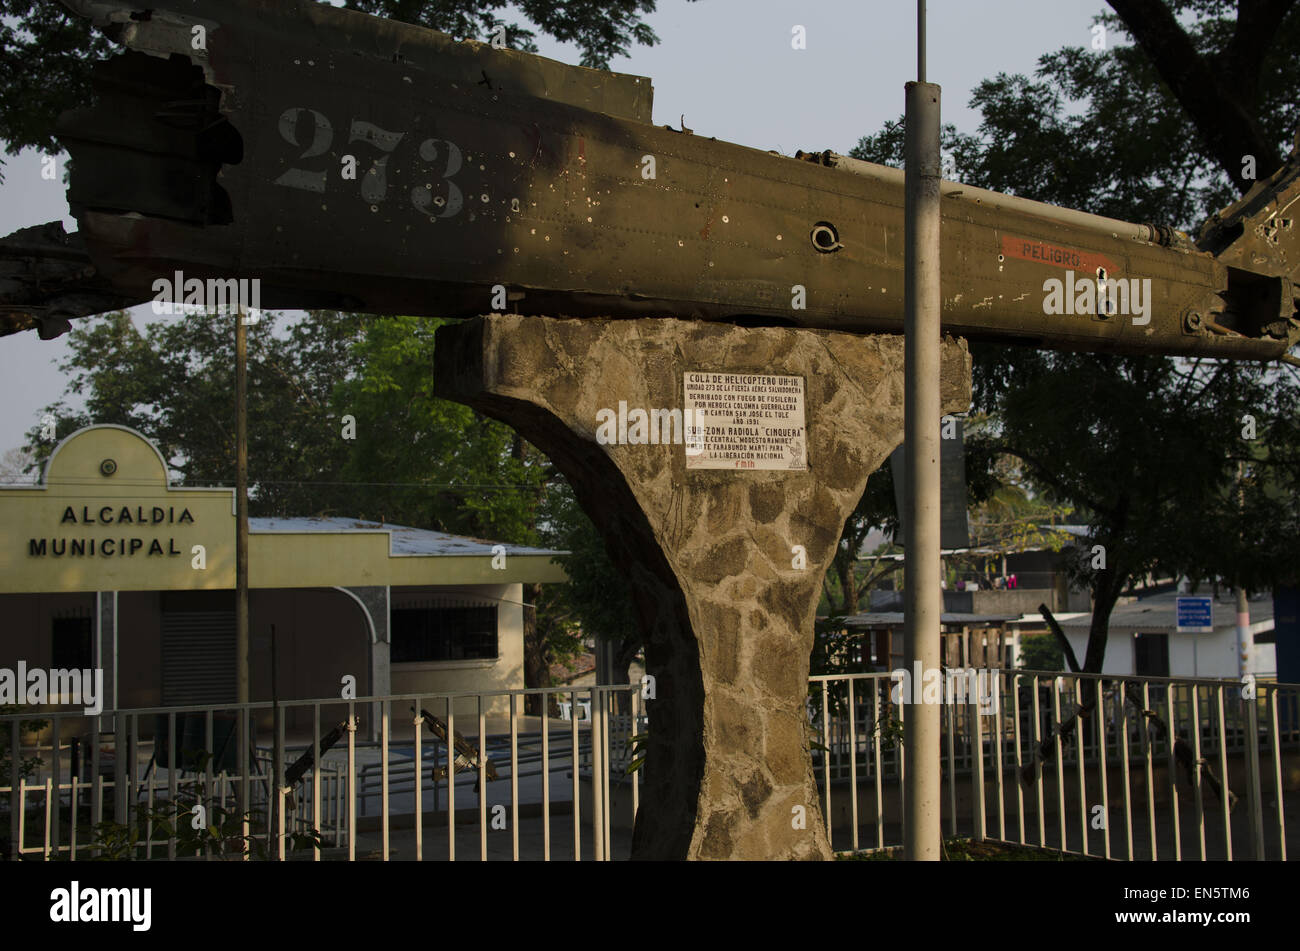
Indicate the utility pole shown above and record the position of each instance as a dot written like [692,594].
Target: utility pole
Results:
[241,563]
[1243,633]
[922,597]
[1243,605]
[241,506]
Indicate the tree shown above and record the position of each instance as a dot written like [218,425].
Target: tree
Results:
[1041,652]
[845,584]
[433,463]
[1225,87]
[427,461]
[603,29]
[1147,450]
[339,402]
[16,467]
[597,599]
[1008,513]
[66,45]
[175,382]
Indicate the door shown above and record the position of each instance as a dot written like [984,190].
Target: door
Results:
[198,657]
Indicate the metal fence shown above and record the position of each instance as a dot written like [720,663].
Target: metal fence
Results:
[206,782]
[1132,768]
[1113,767]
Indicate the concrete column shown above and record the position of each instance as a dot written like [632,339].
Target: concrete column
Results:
[727,617]
[106,648]
[1244,639]
[373,600]
[922,569]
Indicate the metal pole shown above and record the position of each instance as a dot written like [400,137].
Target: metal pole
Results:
[241,507]
[1243,605]
[1243,633]
[922,407]
[920,41]
[277,767]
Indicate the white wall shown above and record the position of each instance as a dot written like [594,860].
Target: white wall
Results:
[1119,651]
[1263,660]
[1190,655]
[1204,655]
[504,673]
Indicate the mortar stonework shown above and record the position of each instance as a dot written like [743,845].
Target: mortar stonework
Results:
[727,619]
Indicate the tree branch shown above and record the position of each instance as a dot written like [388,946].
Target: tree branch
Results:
[1044,473]
[1061,639]
[873,577]
[1211,98]
[1257,23]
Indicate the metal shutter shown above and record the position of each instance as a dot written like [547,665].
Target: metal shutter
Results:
[198,657]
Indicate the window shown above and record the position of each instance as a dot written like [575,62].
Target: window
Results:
[1151,655]
[72,645]
[878,647]
[447,633]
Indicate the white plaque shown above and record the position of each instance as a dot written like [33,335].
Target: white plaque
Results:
[744,421]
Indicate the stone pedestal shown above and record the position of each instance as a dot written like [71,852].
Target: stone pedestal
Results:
[709,554]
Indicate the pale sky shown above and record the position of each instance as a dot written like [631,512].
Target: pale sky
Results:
[728,66]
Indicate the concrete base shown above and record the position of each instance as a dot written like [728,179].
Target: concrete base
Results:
[709,554]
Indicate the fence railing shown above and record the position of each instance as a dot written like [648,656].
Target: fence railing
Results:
[1114,767]
[236,781]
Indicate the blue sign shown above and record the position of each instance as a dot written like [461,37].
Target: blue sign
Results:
[1195,615]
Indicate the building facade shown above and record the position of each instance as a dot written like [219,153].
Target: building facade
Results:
[106,565]
[1144,640]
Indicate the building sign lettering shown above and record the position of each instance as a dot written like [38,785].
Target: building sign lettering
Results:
[112,547]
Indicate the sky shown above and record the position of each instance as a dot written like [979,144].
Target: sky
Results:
[729,68]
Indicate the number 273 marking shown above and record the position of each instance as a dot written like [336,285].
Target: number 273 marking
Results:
[374,184]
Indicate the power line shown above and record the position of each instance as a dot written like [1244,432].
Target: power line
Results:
[452,486]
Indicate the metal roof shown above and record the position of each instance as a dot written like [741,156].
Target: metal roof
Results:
[1157,613]
[403,540]
[895,618]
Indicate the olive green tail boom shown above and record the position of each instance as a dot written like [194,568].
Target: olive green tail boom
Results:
[351,162]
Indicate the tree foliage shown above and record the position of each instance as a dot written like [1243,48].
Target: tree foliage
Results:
[602,29]
[31,98]
[343,421]
[426,461]
[1041,652]
[174,382]
[1233,73]
[1149,451]
[597,600]
[1101,130]
[852,573]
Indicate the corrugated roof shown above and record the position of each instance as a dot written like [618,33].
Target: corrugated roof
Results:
[403,540]
[889,618]
[1158,613]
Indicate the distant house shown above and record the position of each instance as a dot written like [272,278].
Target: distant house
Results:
[1144,640]
[969,640]
[1040,579]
